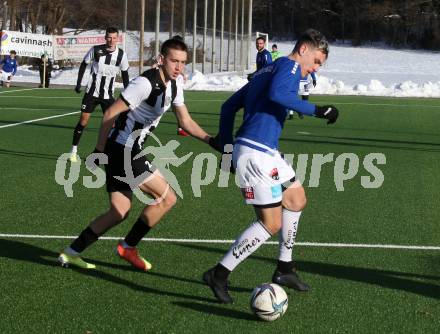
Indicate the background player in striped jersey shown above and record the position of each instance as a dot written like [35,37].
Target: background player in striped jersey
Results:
[137,113]
[267,181]
[107,60]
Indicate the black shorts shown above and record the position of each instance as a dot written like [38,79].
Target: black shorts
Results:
[89,103]
[116,167]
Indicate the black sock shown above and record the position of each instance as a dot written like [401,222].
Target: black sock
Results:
[77,134]
[137,232]
[285,267]
[84,240]
[221,272]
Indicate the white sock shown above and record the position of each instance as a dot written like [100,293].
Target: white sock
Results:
[290,112]
[69,251]
[74,149]
[288,231]
[247,243]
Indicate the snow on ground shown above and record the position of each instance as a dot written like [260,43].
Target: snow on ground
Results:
[348,71]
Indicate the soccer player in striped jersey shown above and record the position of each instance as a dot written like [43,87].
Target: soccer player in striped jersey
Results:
[267,181]
[136,114]
[107,61]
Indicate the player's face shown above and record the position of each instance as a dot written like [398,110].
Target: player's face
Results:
[259,44]
[12,55]
[311,60]
[174,63]
[111,40]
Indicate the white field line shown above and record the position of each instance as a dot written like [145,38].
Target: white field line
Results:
[308,244]
[222,100]
[16,90]
[39,119]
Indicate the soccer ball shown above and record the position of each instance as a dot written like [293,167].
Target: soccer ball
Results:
[269,301]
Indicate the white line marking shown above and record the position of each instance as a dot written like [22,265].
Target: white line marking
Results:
[303,133]
[38,119]
[309,244]
[18,108]
[16,90]
[43,97]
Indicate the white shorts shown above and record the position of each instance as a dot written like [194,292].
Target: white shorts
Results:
[261,174]
[5,76]
[304,87]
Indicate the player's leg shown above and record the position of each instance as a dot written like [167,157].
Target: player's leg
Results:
[8,80]
[120,204]
[164,199]
[294,201]
[88,104]
[259,180]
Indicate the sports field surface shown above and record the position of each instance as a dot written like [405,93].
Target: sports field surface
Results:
[371,255]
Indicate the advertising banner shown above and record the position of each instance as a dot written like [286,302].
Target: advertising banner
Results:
[26,44]
[75,47]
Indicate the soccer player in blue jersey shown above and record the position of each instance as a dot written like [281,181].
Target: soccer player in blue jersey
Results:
[266,180]
[263,56]
[9,68]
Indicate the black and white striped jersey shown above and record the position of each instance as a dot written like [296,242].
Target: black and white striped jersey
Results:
[105,66]
[148,99]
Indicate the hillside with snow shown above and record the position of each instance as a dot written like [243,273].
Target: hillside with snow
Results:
[349,71]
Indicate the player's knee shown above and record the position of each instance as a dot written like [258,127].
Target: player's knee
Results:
[120,214]
[170,200]
[297,203]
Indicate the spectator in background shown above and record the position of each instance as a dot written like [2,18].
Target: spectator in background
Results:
[9,68]
[275,53]
[44,73]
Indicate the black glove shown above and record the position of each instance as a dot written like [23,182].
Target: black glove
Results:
[78,90]
[214,142]
[327,112]
[314,83]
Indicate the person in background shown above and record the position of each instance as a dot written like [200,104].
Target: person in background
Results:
[263,56]
[275,53]
[9,68]
[44,59]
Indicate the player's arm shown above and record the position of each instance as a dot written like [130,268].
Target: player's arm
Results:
[268,58]
[82,68]
[227,116]
[138,90]
[108,120]
[188,124]
[124,70]
[313,75]
[284,91]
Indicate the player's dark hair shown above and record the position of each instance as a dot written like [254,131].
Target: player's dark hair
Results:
[262,38]
[173,43]
[179,38]
[275,46]
[313,38]
[13,52]
[111,30]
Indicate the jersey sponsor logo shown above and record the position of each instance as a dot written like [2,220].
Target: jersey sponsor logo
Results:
[274,174]
[248,193]
[276,191]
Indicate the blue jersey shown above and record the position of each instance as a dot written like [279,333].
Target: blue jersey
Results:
[265,100]
[9,65]
[263,58]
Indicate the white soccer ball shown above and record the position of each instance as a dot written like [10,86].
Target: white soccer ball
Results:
[269,301]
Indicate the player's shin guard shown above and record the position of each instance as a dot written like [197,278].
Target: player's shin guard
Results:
[137,232]
[247,243]
[77,133]
[287,235]
[84,240]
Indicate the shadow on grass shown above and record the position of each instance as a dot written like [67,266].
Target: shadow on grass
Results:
[222,311]
[395,280]
[17,250]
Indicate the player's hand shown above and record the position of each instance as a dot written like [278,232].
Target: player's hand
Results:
[78,90]
[328,112]
[314,83]
[214,142]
